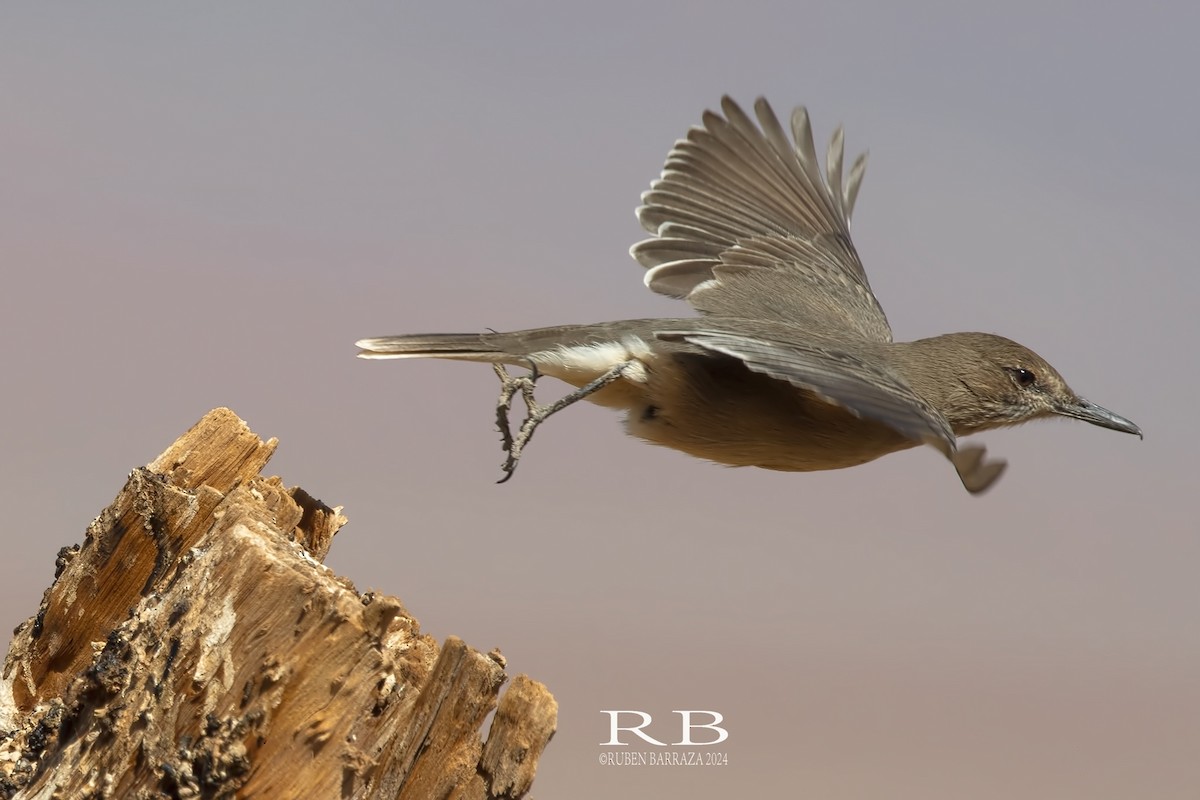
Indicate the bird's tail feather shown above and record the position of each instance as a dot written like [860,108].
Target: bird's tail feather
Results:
[514,347]
[461,346]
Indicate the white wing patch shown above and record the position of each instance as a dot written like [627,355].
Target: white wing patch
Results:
[582,363]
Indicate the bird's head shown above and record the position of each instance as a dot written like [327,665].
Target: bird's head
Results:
[986,381]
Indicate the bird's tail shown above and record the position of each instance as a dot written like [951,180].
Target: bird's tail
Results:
[513,347]
[460,346]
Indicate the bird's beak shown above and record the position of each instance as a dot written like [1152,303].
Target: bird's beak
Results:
[1097,415]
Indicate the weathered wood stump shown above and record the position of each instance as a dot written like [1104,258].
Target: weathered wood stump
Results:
[195,646]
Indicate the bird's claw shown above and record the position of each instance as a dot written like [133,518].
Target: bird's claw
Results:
[536,413]
[509,386]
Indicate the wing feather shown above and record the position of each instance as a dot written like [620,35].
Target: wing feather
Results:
[737,194]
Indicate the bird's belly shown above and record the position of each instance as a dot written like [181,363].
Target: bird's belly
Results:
[721,411]
[817,441]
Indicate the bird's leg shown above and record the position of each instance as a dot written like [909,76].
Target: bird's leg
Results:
[536,414]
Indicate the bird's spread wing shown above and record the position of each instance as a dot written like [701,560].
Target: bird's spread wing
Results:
[843,379]
[745,225]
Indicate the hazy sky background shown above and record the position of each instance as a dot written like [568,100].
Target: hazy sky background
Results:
[206,205]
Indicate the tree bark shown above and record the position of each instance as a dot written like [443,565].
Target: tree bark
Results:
[193,646]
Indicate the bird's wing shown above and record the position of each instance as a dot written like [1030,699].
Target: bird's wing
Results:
[863,388]
[745,225]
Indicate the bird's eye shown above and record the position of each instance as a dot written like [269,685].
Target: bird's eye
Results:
[1023,377]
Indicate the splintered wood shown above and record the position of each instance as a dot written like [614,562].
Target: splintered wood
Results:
[195,646]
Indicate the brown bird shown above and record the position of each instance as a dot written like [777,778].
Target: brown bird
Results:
[792,365]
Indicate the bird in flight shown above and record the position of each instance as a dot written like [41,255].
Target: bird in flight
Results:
[791,364]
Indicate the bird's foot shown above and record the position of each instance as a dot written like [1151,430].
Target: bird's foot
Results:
[536,413]
[509,386]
